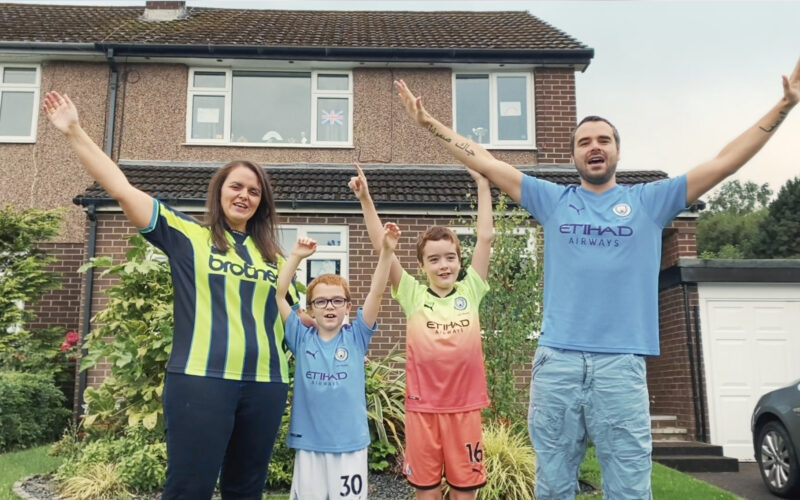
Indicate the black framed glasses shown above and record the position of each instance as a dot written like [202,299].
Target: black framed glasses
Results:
[337,302]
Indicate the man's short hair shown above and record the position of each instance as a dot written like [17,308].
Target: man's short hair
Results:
[592,118]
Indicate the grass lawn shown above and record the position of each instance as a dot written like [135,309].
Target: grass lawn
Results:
[666,482]
[18,464]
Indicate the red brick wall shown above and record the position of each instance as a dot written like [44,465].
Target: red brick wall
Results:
[669,375]
[555,113]
[61,307]
[679,240]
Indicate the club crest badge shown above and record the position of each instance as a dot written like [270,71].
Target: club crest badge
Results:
[460,303]
[341,354]
[622,209]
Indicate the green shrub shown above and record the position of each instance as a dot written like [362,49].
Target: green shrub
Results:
[31,410]
[386,392]
[511,311]
[281,465]
[510,463]
[139,458]
[138,321]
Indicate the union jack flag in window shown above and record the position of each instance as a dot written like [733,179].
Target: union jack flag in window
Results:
[332,117]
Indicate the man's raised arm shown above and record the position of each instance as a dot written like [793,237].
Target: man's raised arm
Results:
[739,151]
[468,152]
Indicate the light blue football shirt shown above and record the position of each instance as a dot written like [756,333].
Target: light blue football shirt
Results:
[329,404]
[601,262]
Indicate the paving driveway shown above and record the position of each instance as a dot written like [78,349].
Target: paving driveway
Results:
[746,483]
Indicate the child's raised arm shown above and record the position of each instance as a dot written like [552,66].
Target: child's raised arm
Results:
[390,233]
[302,249]
[358,184]
[485,225]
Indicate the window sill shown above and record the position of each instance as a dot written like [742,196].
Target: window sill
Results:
[17,140]
[270,145]
[509,147]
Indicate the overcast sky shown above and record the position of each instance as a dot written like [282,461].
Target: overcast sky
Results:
[679,79]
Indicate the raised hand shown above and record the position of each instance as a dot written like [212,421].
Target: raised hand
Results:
[391,233]
[60,110]
[791,86]
[412,103]
[479,178]
[358,183]
[304,247]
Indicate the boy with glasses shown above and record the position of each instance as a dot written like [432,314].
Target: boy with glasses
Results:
[328,426]
[445,375]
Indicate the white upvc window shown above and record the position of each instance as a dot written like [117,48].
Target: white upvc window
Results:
[495,109]
[331,254]
[270,108]
[19,102]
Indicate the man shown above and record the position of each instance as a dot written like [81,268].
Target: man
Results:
[602,256]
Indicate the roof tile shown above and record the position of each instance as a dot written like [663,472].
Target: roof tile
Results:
[282,28]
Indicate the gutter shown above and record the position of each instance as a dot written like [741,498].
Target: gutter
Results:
[579,57]
[576,57]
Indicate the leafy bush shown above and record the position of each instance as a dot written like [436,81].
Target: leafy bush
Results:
[281,465]
[31,410]
[386,392]
[139,458]
[24,279]
[510,463]
[138,321]
[511,311]
[100,481]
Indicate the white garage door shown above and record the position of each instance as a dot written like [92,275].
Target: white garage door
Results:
[751,345]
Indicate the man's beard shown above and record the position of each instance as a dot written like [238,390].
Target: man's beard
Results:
[598,179]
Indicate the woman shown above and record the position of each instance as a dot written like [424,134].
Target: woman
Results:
[226,383]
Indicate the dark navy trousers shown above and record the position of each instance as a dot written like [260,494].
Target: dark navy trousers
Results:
[217,427]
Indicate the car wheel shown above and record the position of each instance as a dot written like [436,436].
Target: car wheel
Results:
[777,460]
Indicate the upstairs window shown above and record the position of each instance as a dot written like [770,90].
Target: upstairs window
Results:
[280,108]
[494,109]
[19,102]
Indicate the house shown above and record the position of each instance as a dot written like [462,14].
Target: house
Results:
[172,92]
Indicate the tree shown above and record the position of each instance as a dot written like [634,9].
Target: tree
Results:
[511,311]
[24,279]
[779,231]
[728,228]
[735,197]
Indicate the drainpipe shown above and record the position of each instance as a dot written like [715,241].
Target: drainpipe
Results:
[688,326]
[703,428]
[91,213]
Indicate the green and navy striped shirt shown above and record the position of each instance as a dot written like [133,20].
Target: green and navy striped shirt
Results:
[226,319]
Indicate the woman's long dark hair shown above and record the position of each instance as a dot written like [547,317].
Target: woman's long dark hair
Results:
[262,226]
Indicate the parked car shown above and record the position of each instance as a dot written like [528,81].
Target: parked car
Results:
[776,439]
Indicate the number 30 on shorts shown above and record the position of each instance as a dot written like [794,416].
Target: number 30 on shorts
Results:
[351,485]
[474,453]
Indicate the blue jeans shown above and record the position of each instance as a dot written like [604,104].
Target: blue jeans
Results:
[218,427]
[577,395]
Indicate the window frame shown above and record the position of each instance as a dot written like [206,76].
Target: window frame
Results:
[34,88]
[227,94]
[530,109]
[341,252]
